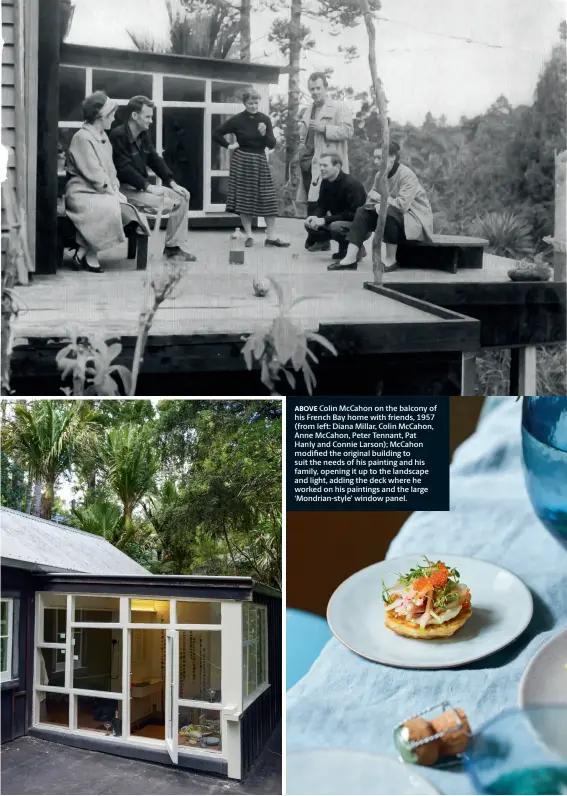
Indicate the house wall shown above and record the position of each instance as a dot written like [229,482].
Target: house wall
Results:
[19,113]
[260,719]
[17,693]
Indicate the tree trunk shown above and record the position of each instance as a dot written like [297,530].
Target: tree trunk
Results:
[46,509]
[292,123]
[245,36]
[229,547]
[37,498]
[380,99]
[29,494]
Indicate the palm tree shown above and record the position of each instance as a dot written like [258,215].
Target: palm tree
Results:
[205,28]
[43,437]
[101,518]
[129,466]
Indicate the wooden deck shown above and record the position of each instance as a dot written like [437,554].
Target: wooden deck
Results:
[215,297]
[419,319]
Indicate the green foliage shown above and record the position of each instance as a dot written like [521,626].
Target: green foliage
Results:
[91,368]
[501,161]
[14,486]
[280,33]
[101,518]
[180,486]
[203,28]
[43,436]
[493,371]
[284,345]
[507,233]
[129,466]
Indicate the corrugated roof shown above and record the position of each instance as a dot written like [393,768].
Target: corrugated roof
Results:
[32,543]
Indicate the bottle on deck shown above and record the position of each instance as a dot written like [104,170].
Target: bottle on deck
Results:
[236,254]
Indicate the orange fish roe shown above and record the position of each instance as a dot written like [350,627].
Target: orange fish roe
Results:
[440,576]
[422,585]
[465,605]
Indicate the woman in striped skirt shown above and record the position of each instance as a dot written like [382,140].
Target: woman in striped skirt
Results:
[251,190]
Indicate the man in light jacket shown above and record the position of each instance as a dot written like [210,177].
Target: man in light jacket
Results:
[409,215]
[325,124]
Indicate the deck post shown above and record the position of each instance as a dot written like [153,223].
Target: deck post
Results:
[47,136]
[468,373]
[523,370]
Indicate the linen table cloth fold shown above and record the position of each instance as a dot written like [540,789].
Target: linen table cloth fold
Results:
[347,702]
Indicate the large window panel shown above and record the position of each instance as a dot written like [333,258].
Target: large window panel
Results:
[97,610]
[149,612]
[122,85]
[220,156]
[198,613]
[54,618]
[100,715]
[200,665]
[254,634]
[183,148]
[99,652]
[183,89]
[219,190]
[72,90]
[50,667]
[199,728]
[53,708]
[223,91]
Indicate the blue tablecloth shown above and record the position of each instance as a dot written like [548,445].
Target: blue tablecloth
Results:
[306,635]
[347,702]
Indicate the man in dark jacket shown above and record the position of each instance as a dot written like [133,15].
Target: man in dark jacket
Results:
[339,198]
[133,153]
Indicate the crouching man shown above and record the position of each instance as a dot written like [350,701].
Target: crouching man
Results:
[339,198]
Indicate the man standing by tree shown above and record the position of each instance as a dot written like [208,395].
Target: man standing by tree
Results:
[133,152]
[324,124]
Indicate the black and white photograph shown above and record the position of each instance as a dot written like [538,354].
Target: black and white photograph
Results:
[216,197]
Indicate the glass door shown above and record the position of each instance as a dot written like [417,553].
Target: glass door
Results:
[218,158]
[171,692]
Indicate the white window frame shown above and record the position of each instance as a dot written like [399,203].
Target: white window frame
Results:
[229,709]
[209,107]
[261,617]
[6,674]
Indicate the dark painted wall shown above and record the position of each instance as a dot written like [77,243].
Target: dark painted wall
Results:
[17,694]
[262,716]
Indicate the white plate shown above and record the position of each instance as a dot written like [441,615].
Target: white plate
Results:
[545,680]
[502,608]
[340,771]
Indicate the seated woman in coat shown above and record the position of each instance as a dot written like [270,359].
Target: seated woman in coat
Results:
[92,195]
[409,215]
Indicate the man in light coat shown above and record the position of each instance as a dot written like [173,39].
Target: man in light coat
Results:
[324,124]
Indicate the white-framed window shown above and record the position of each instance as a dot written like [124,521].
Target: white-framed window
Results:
[254,649]
[6,636]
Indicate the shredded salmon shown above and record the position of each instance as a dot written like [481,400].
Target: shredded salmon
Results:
[465,605]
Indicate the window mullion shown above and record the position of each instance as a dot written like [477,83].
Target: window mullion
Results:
[69,643]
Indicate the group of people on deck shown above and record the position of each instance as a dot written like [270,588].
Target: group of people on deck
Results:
[109,184]
[338,206]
